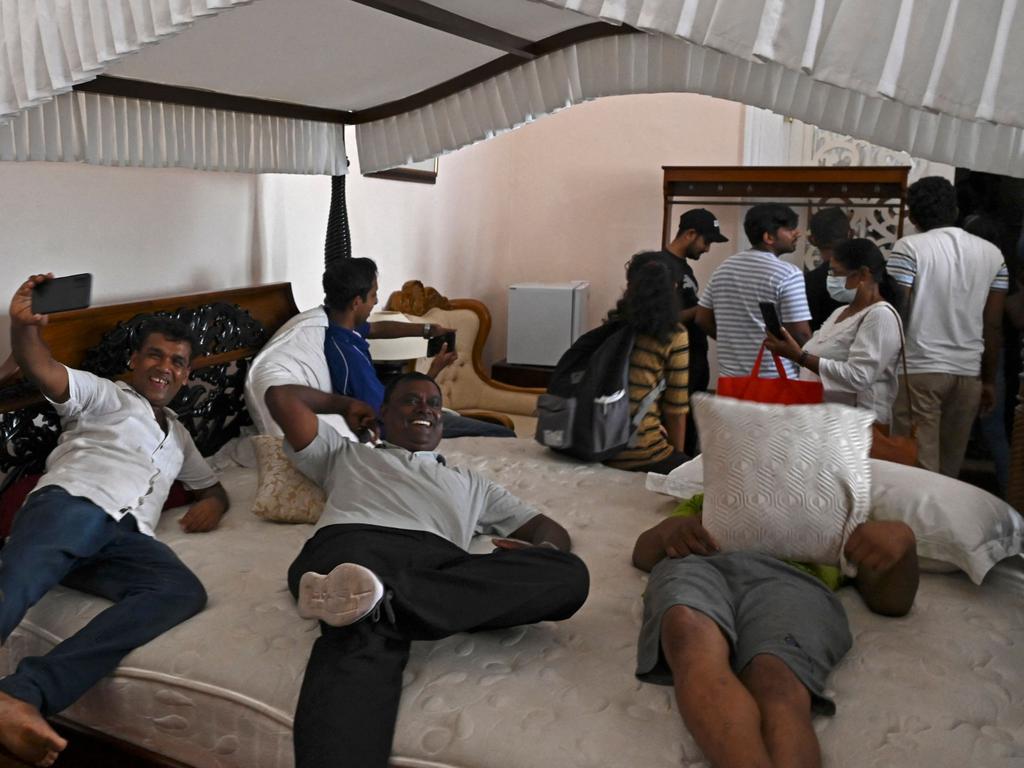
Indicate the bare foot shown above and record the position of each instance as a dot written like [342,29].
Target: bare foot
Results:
[26,734]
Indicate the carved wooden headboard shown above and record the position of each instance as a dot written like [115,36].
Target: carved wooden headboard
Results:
[230,326]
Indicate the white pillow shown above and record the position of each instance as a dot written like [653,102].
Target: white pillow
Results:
[954,522]
[958,526]
[788,480]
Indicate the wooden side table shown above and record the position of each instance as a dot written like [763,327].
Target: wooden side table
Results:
[521,375]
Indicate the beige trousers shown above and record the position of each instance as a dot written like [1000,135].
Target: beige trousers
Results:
[945,406]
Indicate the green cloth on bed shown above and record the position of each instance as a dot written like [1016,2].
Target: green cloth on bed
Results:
[830,575]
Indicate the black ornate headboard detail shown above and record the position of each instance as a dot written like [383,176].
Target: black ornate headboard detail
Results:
[210,404]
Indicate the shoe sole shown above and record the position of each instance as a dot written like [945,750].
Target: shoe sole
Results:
[344,596]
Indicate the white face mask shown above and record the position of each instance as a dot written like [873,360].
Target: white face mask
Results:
[837,289]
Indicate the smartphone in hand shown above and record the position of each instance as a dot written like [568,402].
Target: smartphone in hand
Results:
[434,344]
[771,319]
[62,293]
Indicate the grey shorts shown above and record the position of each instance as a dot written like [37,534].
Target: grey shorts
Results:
[761,604]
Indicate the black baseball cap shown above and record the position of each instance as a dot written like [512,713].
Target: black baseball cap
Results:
[704,223]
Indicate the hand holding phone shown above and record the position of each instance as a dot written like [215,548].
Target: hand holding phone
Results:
[60,294]
[435,344]
[771,319]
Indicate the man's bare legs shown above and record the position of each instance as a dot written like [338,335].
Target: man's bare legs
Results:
[720,712]
[785,706]
[761,721]
[25,733]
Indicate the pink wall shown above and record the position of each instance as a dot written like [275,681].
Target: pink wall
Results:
[568,197]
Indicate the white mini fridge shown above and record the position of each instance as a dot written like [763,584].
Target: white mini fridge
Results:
[544,319]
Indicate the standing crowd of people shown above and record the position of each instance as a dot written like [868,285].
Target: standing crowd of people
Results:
[915,337]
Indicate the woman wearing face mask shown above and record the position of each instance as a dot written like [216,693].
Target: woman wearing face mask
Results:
[856,351]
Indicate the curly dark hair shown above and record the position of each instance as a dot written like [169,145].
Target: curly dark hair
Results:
[168,327]
[389,389]
[345,279]
[829,227]
[766,218]
[650,303]
[931,202]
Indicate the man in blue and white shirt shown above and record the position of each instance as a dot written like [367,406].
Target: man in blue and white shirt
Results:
[90,522]
[729,308]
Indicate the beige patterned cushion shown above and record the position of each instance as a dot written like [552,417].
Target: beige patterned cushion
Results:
[284,495]
[791,481]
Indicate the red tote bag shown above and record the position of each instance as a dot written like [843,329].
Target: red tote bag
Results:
[780,391]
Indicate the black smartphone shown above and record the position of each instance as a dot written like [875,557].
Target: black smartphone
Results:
[771,319]
[62,293]
[435,343]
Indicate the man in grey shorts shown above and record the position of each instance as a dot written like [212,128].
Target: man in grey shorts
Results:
[748,640]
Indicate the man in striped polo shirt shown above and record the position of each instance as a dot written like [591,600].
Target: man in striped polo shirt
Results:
[729,311]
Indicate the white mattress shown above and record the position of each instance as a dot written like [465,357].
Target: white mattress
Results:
[942,687]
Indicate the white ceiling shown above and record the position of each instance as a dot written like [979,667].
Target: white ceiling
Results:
[335,54]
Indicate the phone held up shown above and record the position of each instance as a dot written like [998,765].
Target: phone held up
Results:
[62,293]
[771,319]
[434,345]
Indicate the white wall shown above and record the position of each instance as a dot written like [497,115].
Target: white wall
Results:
[141,232]
[570,196]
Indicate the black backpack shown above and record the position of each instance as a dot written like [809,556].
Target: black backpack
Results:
[585,412]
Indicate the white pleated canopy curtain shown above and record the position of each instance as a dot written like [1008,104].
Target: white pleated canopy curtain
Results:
[49,46]
[939,79]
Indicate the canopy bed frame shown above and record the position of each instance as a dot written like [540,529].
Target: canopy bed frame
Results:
[560,693]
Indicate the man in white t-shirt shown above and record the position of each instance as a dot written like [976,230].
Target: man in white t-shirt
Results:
[89,524]
[954,286]
[729,308]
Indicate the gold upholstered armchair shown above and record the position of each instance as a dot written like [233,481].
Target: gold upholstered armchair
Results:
[465,385]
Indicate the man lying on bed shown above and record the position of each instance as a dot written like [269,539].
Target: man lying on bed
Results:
[392,542]
[89,523]
[748,640]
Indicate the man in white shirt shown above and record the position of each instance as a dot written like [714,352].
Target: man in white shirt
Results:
[388,562]
[954,286]
[729,308]
[89,524]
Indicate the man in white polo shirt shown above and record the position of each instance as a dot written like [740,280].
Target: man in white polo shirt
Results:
[388,562]
[89,524]
[729,308]
[954,286]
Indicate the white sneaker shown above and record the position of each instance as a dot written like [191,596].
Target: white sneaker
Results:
[342,597]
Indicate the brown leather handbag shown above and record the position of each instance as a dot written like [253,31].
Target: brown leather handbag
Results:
[900,449]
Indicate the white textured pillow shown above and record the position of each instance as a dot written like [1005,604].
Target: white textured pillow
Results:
[284,495]
[791,481]
[954,522]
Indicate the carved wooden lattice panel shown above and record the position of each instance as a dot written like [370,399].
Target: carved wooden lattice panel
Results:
[880,222]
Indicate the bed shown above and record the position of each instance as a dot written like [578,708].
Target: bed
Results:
[941,687]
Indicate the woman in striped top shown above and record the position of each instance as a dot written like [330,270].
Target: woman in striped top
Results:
[660,351]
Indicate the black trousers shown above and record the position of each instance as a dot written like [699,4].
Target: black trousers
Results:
[349,699]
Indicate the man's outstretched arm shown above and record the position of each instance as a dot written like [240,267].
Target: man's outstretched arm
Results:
[885,553]
[294,408]
[28,347]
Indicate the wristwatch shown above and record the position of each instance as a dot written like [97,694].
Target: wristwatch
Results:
[426,330]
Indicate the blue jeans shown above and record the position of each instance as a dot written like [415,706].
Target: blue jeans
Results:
[59,538]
